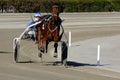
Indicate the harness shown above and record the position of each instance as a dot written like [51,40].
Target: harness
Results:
[47,19]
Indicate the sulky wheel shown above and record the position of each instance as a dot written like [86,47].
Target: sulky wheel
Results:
[64,49]
[16,47]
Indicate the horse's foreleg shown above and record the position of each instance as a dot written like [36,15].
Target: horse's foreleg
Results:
[55,46]
[38,36]
[55,52]
[56,39]
[42,46]
[41,51]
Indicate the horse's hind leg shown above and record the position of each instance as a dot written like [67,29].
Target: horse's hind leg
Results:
[55,52]
[47,42]
[40,54]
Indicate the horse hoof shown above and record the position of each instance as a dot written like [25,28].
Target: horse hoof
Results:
[40,55]
[55,55]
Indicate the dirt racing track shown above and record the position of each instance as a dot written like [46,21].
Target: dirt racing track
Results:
[88,31]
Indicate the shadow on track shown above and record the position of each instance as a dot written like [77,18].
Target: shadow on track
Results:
[2,52]
[25,62]
[71,64]
[76,64]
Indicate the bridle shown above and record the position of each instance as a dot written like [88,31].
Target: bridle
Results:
[49,26]
[54,14]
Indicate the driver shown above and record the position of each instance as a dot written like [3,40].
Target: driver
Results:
[32,32]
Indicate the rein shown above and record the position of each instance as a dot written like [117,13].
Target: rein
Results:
[50,29]
[48,26]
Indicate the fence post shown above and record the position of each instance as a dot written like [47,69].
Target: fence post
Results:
[69,39]
[98,55]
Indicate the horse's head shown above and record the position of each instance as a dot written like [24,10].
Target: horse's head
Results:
[55,15]
[55,11]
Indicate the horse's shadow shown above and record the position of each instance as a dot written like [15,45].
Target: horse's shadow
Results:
[25,62]
[4,52]
[58,63]
[76,64]
[71,64]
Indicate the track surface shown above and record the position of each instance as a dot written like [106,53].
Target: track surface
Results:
[85,28]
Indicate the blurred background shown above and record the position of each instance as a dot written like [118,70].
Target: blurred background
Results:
[27,6]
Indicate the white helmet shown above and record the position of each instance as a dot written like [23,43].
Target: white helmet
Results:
[37,14]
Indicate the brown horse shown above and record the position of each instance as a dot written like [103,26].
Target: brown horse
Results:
[49,30]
